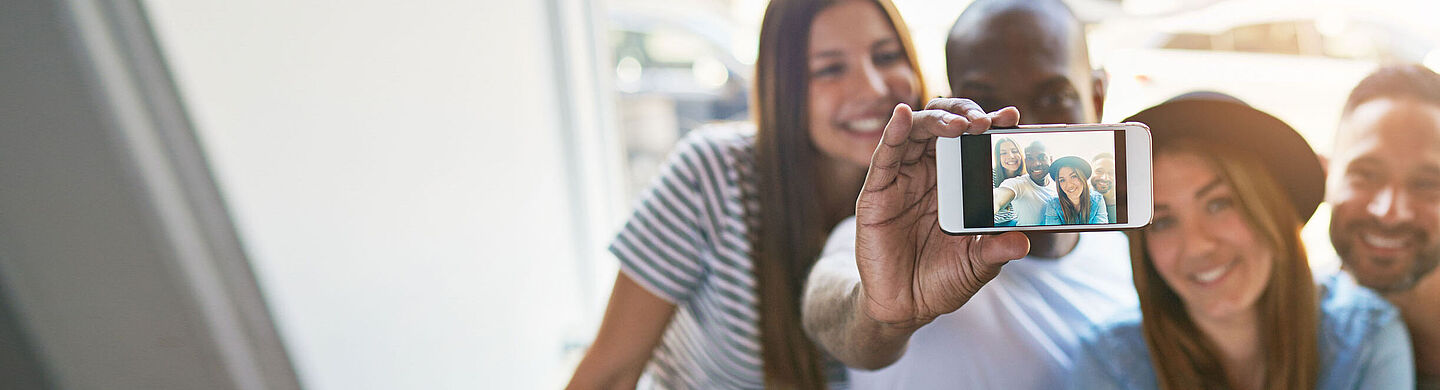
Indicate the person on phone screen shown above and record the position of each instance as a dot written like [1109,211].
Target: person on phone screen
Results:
[1384,182]
[713,257]
[1076,204]
[1009,162]
[1104,182]
[1027,194]
[900,301]
[1227,299]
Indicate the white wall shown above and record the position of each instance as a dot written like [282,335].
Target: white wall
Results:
[396,173]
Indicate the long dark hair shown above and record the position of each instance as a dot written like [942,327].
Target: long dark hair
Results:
[1076,213]
[1071,212]
[1183,357]
[790,228]
[1000,173]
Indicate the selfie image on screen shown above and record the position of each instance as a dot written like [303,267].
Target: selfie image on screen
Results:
[1054,179]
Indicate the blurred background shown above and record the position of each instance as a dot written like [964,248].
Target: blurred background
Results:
[423,190]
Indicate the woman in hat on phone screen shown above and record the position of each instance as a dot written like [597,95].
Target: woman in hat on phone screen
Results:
[1074,204]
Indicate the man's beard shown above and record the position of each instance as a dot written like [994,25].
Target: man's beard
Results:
[1103,187]
[1425,260]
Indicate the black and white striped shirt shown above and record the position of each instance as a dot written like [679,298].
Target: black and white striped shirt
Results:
[687,243]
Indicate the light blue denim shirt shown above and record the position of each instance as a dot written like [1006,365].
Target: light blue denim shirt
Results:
[1098,213]
[1363,345]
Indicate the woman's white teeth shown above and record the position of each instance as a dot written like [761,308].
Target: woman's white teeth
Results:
[1213,274]
[865,125]
[1383,242]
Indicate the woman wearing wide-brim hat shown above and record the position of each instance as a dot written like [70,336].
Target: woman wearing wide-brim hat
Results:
[1074,203]
[1227,299]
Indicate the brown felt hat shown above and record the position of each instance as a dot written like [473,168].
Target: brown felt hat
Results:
[1232,123]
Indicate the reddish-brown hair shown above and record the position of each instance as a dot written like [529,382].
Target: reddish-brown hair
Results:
[1185,358]
[792,225]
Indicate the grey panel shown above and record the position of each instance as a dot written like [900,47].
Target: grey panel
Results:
[115,250]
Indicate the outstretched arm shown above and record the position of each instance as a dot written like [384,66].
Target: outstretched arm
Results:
[908,270]
[832,313]
[1002,196]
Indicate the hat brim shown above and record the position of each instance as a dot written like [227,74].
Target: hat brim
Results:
[1070,161]
[1286,154]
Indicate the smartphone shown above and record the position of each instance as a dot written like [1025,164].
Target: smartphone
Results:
[1046,178]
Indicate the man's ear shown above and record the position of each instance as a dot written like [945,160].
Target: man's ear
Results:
[1099,80]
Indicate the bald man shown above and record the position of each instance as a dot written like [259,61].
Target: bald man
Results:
[1020,330]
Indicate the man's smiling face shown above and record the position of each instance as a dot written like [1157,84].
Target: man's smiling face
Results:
[1384,185]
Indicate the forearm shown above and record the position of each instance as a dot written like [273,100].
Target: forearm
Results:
[833,317]
[633,324]
[589,375]
[1002,197]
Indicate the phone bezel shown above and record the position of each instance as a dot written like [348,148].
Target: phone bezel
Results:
[1138,179]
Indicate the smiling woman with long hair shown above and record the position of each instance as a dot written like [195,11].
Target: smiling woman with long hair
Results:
[713,258]
[1227,300]
[1074,204]
[1009,162]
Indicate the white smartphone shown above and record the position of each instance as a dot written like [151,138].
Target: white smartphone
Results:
[1046,178]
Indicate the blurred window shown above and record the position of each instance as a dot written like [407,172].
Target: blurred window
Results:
[671,76]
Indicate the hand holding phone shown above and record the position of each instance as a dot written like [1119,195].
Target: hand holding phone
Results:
[1045,178]
[911,271]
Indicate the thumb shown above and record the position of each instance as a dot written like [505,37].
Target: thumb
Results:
[897,130]
[996,250]
[885,162]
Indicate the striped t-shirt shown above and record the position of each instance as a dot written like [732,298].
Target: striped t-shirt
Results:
[687,243]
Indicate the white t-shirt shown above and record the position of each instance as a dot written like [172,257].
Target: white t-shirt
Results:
[1021,331]
[1029,199]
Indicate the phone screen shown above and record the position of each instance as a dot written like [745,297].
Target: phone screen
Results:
[1044,179]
